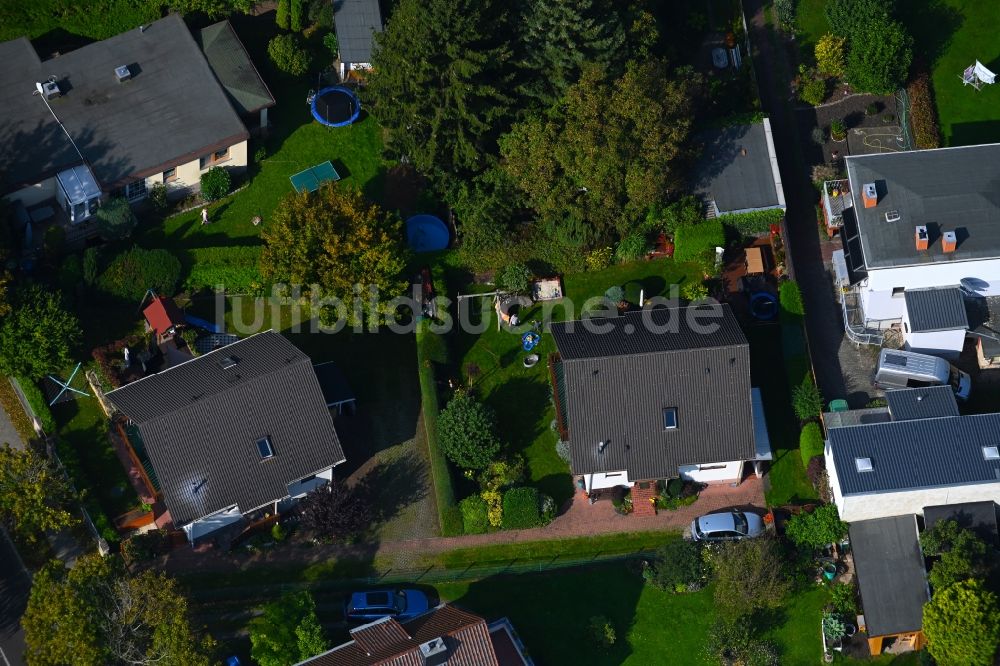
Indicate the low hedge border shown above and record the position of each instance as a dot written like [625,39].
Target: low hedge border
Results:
[429,348]
[38,404]
[754,222]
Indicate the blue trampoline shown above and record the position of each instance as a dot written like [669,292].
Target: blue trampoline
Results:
[336,106]
[426,233]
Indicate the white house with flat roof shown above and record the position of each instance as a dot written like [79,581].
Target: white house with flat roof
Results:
[921,235]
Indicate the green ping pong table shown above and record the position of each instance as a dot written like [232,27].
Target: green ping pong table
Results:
[309,180]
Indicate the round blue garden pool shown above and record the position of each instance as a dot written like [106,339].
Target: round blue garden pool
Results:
[426,233]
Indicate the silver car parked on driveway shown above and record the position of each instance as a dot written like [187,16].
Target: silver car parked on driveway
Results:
[727,526]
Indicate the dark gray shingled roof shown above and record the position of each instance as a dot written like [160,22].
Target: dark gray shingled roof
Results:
[618,385]
[922,403]
[980,517]
[891,575]
[232,66]
[356,21]
[947,189]
[200,423]
[172,111]
[940,309]
[923,453]
[734,180]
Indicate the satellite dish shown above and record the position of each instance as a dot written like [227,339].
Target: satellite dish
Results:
[972,285]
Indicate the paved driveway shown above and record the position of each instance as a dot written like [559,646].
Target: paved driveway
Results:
[14,587]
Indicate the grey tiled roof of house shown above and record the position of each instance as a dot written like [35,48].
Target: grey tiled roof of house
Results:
[891,575]
[940,309]
[947,189]
[734,180]
[232,66]
[201,422]
[618,384]
[922,453]
[172,110]
[921,403]
[356,22]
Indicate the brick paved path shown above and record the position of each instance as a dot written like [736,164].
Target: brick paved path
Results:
[582,519]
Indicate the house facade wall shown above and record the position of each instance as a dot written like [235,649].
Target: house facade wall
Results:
[189,174]
[876,291]
[199,528]
[298,489]
[713,472]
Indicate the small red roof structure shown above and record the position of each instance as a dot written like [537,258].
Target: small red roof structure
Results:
[162,314]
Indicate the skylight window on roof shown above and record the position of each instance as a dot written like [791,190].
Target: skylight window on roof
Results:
[670,418]
[863,464]
[991,453]
[265,448]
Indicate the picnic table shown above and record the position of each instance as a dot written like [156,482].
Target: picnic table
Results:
[755,261]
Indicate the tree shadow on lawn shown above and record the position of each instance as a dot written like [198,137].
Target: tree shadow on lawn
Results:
[932,24]
[392,485]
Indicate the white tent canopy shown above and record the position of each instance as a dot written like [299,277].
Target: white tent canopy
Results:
[977,74]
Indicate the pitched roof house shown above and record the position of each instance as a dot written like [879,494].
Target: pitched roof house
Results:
[239,430]
[443,635]
[120,115]
[892,580]
[917,452]
[656,394]
[916,226]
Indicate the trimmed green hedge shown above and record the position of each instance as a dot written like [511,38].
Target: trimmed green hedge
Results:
[790,298]
[134,271]
[810,443]
[520,509]
[236,268]
[449,516]
[39,405]
[475,518]
[753,223]
[693,243]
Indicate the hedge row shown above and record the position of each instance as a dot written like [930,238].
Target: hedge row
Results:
[12,405]
[237,269]
[39,405]
[923,115]
[753,223]
[790,298]
[429,348]
[134,271]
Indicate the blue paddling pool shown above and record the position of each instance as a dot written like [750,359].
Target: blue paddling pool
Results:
[763,306]
[426,233]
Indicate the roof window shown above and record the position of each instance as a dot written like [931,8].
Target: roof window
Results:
[228,362]
[265,448]
[863,464]
[991,453]
[670,418]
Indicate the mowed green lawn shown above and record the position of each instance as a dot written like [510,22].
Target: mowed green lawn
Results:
[492,362]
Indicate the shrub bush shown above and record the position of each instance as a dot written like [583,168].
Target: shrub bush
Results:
[521,509]
[818,136]
[810,442]
[753,223]
[514,278]
[331,43]
[837,129]
[694,290]
[115,219]
[844,599]
[785,9]
[829,54]
[632,248]
[615,294]
[547,509]
[599,259]
[146,546]
[132,272]
[281,15]
[677,567]
[813,91]
[817,529]
[685,212]
[807,400]
[91,265]
[157,196]
[288,55]
[474,518]
[467,432]
[790,299]
[563,451]
[39,405]
[215,184]
[602,632]
[295,16]
[698,242]
[923,114]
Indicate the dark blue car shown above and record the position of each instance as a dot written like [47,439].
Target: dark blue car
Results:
[401,604]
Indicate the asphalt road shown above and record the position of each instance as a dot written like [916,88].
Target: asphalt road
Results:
[14,587]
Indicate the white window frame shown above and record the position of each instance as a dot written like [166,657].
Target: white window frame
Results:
[135,191]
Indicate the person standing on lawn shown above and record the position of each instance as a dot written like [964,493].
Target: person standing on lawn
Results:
[204,215]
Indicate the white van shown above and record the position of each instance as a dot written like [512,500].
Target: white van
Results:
[898,369]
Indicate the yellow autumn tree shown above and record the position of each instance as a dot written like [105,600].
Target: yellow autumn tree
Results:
[830,54]
[336,239]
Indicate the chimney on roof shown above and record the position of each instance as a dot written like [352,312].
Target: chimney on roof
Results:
[949,241]
[869,194]
[433,651]
[921,236]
